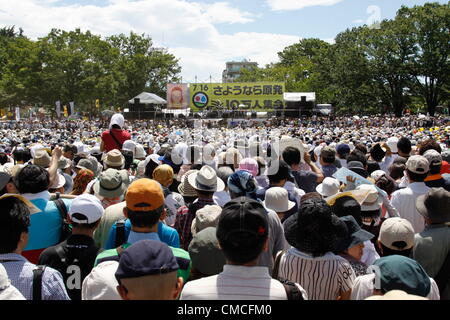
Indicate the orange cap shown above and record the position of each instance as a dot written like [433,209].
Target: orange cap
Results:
[144,195]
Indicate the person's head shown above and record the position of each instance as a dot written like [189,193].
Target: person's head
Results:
[357,155]
[278,173]
[42,158]
[208,216]
[85,213]
[114,159]
[372,166]
[353,244]
[205,253]
[434,158]
[148,271]
[361,148]
[250,165]
[224,173]
[417,168]
[261,165]
[69,151]
[186,189]
[396,237]
[176,95]
[291,156]
[81,180]
[6,182]
[150,164]
[327,155]
[14,224]
[242,184]
[371,207]
[434,206]
[111,184]
[429,144]
[144,203]
[329,187]
[32,179]
[377,152]
[343,150]
[117,121]
[3,158]
[242,230]
[206,182]
[397,170]
[101,283]
[277,199]
[163,174]
[357,167]
[398,272]
[404,147]
[315,230]
[22,155]
[346,205]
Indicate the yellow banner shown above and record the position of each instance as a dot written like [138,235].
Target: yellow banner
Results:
[254,96]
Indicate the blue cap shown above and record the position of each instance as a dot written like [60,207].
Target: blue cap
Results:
[342,149]
[146,257]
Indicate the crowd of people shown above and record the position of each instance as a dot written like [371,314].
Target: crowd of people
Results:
[341,208]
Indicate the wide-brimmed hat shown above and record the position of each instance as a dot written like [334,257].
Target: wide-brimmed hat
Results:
[59,182]
[185,188]
[435,205]
[206,180]
[355,234]
[110,184]
[85,164]
[64,163]
[208,216]
[329,187]
[315,228]
[42,158]
[373,200]
[277,199]
[114,158]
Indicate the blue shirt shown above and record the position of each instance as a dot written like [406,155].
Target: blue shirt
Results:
[20,272]
[45,226]
[166,234]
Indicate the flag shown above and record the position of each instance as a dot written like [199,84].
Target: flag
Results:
[17,114]
[72,107]
[58,108]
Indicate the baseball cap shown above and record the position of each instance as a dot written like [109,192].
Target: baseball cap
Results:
[418,164]
[394,230]
[144,195]
[433,157]
[343,149]
[163,174]
[242,218]
[397,272]
[86,209]
[205,253]
[144,258]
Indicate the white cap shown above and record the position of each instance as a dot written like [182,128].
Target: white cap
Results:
[392,144]
[396,229]
[129,145]
[329,187]
[377,174]
[277,199]
[89,206]
[101,283]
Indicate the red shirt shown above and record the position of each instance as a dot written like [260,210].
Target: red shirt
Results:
[110,143]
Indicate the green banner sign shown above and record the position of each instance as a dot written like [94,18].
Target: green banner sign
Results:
[255,96]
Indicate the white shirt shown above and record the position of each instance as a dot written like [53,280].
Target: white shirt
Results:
[363,288]
[404,200]
[221,197]
[236,283]
[370,254]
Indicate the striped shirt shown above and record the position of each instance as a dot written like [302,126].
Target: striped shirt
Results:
[323,278]
[236,283]
[20,272]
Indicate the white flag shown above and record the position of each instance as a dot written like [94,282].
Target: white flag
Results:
[72,107]
[17,114]
[58,108]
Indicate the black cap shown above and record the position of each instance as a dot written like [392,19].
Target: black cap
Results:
[242,218]
[146,257]
[278,170]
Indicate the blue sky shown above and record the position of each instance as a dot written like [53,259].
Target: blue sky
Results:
[204,34]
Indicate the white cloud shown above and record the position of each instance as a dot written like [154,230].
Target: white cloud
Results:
[285,5]
[186,28]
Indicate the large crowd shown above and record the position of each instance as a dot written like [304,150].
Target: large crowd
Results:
[319,208]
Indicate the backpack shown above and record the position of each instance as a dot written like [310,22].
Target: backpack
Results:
[37,282]
[66,228]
